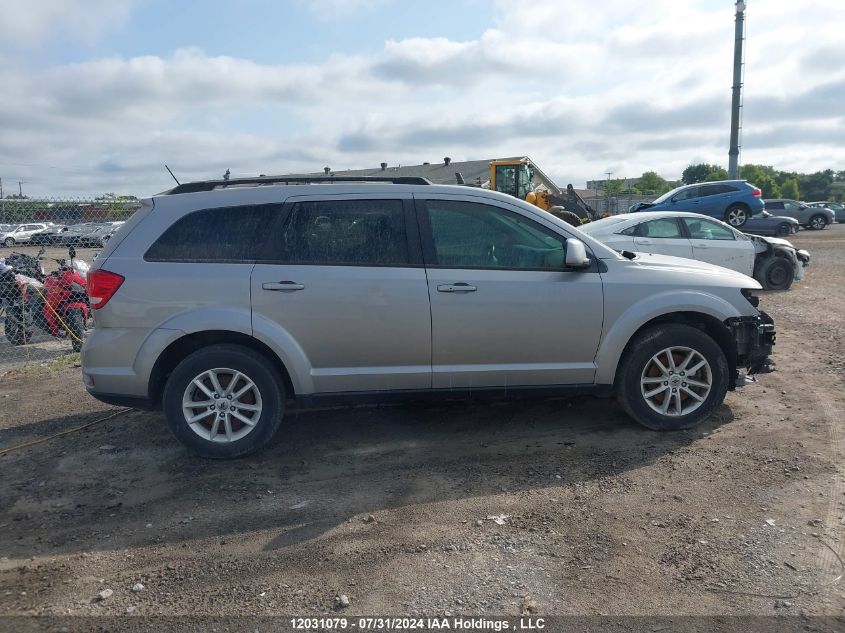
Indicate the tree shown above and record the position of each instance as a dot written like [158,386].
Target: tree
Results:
[762,176]
[717,173]
[650,183]
[789,189]
[613,188]
[815,186]
[699,172]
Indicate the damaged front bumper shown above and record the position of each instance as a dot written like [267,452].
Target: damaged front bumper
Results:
[755,338]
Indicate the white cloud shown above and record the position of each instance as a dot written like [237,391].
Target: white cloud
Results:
[581,87]
[27,24]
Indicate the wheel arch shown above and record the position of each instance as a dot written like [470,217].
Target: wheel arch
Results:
[707,323]
[182,347]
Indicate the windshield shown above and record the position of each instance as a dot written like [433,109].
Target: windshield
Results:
[669,194]
[599,225]
[514,180]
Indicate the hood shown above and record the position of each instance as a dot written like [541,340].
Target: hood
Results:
[762,243]
[639,206]
[692,267]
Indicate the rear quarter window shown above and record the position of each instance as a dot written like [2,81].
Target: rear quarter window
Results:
[223,234]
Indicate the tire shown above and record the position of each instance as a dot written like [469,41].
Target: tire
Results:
[267,393]
[639,362]
[14,329]
[9,242]
[817,223]
[775,273]
[76,328]
[783,230]
[737,215]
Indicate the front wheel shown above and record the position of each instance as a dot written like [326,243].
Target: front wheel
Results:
[672,377]
[736,215]
[75,328]
[15,328]
[783,230]
[817,222]
[9,242]
[775,273]
[224,401]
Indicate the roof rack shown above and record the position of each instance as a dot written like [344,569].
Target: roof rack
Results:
[210,185]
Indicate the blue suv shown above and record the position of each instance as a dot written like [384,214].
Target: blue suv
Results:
[733,201]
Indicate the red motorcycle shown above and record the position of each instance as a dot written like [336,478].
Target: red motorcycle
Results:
[56,303]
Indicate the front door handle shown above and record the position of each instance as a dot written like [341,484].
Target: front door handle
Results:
[701,246]
[456,287]
[642,241]
[283,286]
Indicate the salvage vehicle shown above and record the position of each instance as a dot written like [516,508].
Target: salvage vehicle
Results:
[837,207]
[218,301]
[774,262]
[813,218]
[764,223]
[21,234]
[734,201]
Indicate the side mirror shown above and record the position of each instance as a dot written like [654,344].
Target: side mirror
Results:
[576,254]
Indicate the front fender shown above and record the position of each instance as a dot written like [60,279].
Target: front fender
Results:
[626,324]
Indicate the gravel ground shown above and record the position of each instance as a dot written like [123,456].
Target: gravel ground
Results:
[549,507]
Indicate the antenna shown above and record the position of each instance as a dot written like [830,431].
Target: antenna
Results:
[171,174]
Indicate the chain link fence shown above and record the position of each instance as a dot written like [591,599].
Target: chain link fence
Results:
[614,205]
[46,247]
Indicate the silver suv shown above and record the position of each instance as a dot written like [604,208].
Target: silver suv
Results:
[222,301]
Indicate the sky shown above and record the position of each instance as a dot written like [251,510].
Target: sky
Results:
[97,95]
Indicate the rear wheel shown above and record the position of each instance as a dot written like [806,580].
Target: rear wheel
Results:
[76,328]
[14,328]
[775,273]
[224,401]
[817,222]
[736,215]
[672,377]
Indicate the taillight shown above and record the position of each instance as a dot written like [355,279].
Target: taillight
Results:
[102,284]
[757,192]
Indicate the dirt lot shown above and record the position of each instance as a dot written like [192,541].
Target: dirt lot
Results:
[393,507]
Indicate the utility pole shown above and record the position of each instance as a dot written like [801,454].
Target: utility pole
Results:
[20,188]
[736,100]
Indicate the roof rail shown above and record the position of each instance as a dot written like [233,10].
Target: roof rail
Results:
[210,185]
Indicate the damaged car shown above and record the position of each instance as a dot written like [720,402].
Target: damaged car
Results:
[772,261]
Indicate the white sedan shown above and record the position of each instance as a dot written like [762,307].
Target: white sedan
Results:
[772,261]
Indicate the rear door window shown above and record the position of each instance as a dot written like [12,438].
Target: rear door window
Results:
[664,227]
[344,233]
[223,234]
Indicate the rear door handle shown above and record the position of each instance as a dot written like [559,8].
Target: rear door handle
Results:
[701,246]
[642,241]
[283,286]
[456,287]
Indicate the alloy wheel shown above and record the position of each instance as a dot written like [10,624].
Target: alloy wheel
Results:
[676,381]
[737,216]
[222,405]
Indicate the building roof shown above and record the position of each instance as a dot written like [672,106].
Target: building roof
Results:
[474,172]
